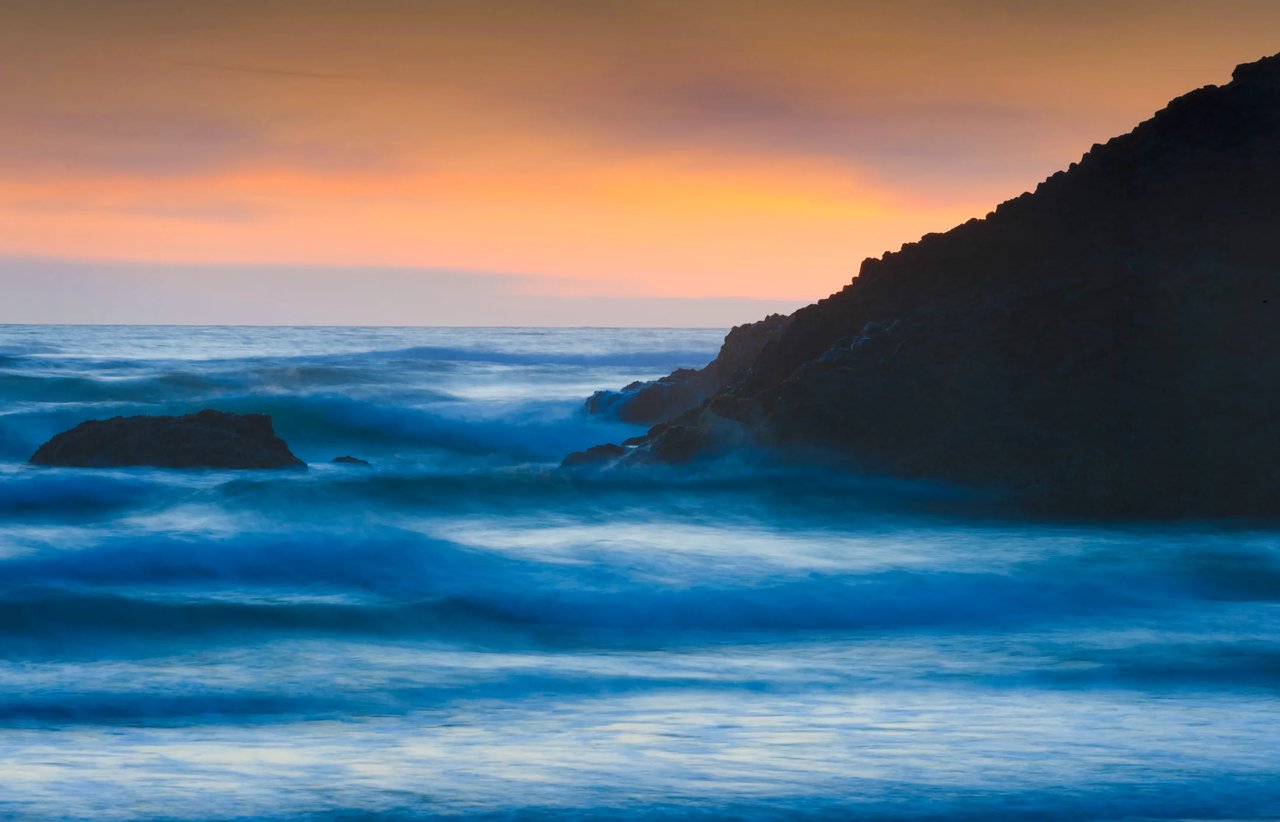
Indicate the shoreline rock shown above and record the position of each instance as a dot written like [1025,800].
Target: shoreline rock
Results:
[207,439]
[659,400]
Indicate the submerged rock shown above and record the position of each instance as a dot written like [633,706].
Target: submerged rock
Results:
[1106,345]
[208,439]
[350,461]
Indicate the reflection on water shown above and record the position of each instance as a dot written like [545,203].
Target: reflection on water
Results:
[463,629]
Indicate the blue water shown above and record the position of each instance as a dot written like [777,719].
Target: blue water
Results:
[463,630]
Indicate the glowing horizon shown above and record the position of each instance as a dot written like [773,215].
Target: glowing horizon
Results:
[742,157]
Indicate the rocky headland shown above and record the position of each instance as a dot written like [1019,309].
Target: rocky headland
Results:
[1108,344]
[207,439]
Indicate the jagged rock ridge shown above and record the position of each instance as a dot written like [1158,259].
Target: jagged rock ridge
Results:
[1108,344]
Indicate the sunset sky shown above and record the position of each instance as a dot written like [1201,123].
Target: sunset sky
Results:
[581,163]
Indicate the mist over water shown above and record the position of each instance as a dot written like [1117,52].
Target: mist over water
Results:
[463,629]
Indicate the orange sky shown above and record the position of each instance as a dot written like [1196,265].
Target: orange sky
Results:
[580,149]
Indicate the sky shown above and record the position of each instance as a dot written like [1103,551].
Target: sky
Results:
[542,162]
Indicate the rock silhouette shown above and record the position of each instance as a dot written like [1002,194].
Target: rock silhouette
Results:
[1107,345]
[661,399]
[208,439]
[596,453]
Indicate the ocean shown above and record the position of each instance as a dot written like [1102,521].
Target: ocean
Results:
[462,629]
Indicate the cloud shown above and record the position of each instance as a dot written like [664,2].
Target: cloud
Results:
[912,90]
[872,132]
[218,211]
[163,141]
[261,70]
[125,142]
[71,291]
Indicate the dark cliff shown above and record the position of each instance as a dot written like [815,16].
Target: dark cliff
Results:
[1108,344]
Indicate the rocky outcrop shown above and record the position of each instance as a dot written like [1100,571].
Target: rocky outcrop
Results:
[659,400]
[1109,344]
[596,453]
[208,439]
[348,460]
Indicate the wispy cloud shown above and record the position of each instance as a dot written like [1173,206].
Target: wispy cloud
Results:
[264,70]
[215,211]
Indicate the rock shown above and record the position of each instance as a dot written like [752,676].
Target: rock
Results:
[350,461]
[663,399]
[1107,345]
[678,444]
[595,454]
[208,439]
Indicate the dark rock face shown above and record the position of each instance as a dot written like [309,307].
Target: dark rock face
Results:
[1106,345]
[660,400]
[208,439]
[350,461]
[596,453]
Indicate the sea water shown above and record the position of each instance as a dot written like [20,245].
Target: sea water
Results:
[462,629]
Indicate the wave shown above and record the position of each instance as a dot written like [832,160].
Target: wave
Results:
[884,601]
[147,385]
[159,708]
[45,617]
[411,585]
[1176,663]
[321,426]
[663,358]
[321,423]
[70,495]
[155,388]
